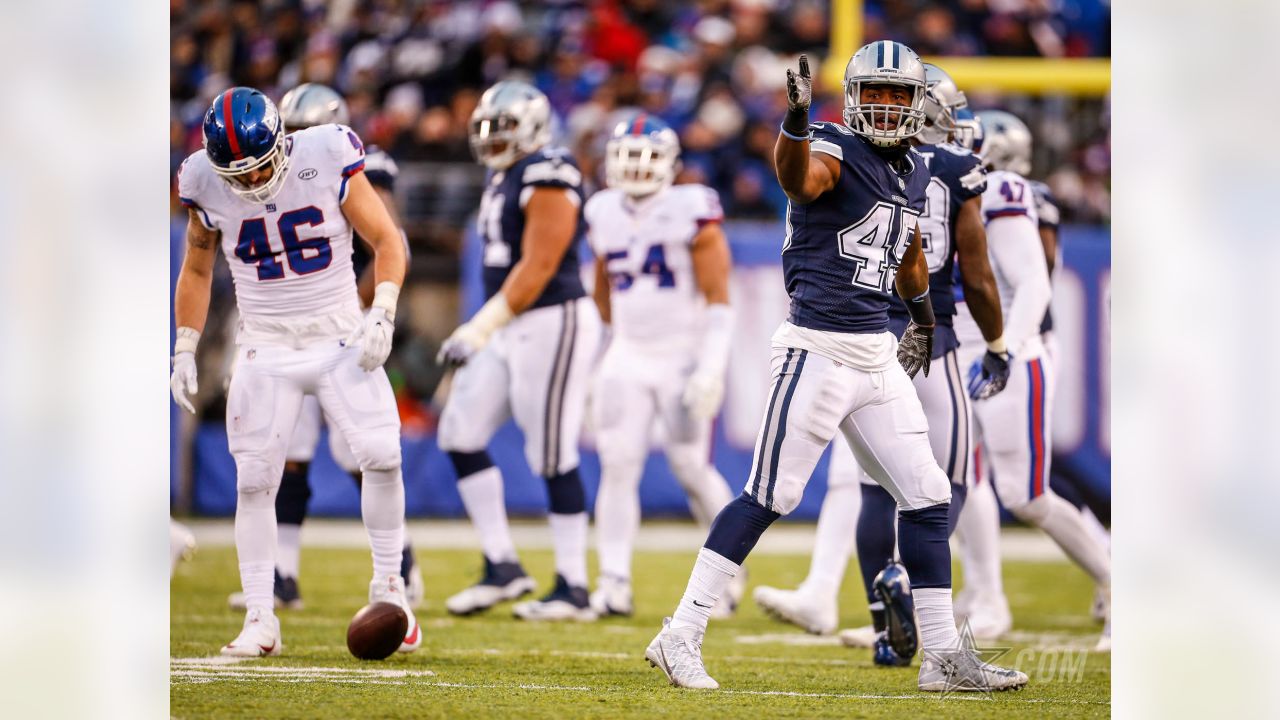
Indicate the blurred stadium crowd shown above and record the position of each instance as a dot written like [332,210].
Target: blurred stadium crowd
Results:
[713,69]
[413,70]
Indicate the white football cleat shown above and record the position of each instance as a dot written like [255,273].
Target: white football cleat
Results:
[859,637]
[962,671]
[259,637]
[612,597]
[678,654]
[415,589]
[501,582]
[390,588]
[1104,642]
[562,603]
[989,616]
[798,608]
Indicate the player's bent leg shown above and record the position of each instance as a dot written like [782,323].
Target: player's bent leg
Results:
[361,405]
[262,409]
[622,441]
[556,355]
[808,397]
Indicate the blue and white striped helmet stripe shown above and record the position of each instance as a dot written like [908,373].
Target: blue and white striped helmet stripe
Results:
[887,48]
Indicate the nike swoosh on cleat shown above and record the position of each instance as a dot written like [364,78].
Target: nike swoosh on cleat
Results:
[695,602]
[267,648]
[412,637]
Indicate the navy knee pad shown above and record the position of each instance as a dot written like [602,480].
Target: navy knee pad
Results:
[467,464]
[922,543]
[291,502]
[874,535]
[738,528]
[566,493]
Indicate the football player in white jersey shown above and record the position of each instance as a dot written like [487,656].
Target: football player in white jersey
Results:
[1013,427]
[283,209]
[662,282]
[305,106]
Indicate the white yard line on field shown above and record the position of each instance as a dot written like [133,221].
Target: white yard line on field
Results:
[666,536]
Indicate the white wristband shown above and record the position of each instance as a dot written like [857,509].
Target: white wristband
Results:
[186,341]
[997,346]
[385,296]
[493,315]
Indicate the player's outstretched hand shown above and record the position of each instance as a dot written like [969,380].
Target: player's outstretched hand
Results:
[374,334]
[703,394]
[915,349]
[800,87]
[460,346]
[989,375]
[182,382]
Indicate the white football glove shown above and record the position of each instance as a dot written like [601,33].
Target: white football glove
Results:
[182,382]
[703,394]
[464,342]
[471,336]
[374,334]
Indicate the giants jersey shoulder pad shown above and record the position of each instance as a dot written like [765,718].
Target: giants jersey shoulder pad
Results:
[1008,194]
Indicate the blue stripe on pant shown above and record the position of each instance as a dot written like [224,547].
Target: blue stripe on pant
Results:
[775,426]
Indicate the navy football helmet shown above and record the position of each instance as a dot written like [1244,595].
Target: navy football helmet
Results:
[243,134]
[642,156]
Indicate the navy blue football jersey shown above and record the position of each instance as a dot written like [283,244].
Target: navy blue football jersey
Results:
[1047,212]
[501,221]
[382,173]
[957,176]
[842,251]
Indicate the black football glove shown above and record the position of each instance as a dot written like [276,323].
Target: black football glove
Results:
[799,97]
[989,375]
[915,349]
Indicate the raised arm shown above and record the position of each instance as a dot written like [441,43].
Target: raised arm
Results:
[801,178]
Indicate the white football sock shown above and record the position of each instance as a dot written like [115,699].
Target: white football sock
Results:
[256,546]
[1064,523]
[288,549]
[569,539]
[833,542]
[382,507]
[978,534]
[482,496]
[1099,531]
[936,618]
[711,576]
[617,516]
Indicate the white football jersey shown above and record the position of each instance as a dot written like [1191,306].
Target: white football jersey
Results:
[291,257]
[1008,194]
[646,248]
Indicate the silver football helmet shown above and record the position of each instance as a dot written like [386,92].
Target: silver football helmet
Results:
[884,62]
[512,120]
[312,104]
[941,101]
[642,156]
[1006,142]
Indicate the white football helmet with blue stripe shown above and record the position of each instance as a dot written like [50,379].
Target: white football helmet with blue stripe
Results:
[941,101]
[312,104]
[884,62]
[512,120]
[642,157]
[1006,142]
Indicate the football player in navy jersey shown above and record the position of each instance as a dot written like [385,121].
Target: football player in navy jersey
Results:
[526,353]
[955,249]
[855,192]
[309,105]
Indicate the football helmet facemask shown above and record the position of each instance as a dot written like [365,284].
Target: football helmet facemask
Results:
[512,120]
[884,62]
[642,156]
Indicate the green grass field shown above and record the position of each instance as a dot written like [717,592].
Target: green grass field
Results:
[495,666]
